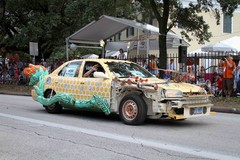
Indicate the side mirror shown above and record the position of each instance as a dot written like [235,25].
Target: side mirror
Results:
[100,75]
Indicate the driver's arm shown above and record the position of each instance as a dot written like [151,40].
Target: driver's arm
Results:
[88,73]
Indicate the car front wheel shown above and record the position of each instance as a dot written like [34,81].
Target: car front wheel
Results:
[55,107]
[133,109]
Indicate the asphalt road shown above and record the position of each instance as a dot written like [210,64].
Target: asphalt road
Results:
[28,132]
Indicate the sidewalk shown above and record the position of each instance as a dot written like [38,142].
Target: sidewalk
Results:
[214,108]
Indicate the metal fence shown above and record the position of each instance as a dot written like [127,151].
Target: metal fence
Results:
[208,60]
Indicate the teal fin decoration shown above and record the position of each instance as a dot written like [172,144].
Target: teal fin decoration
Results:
[37,79]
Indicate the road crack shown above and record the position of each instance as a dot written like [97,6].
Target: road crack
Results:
[73,142]
[84,144]
[179,155]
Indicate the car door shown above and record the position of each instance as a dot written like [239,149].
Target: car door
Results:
[68,79]
[90,85]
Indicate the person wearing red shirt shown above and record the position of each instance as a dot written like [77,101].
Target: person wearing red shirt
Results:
[227,83]
[219,82]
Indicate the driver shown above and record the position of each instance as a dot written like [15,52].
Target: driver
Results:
[91,71]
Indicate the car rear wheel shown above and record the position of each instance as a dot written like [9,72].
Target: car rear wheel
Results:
[133,109]
[55,107]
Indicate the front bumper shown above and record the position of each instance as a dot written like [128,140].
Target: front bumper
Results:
[190,111]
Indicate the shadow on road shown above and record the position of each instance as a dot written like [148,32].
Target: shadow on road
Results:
[101,117]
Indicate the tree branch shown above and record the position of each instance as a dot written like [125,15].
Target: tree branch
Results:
[155,9]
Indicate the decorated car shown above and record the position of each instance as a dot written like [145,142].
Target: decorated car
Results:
[118,87]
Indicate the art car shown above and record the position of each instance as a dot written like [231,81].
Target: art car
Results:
[116,87]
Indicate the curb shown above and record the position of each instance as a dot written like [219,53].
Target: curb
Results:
[15,93]
[226,110]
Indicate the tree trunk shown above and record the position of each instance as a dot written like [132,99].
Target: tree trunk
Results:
[162,53]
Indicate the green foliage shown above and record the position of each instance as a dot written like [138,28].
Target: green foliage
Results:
[170,13]
[49,22]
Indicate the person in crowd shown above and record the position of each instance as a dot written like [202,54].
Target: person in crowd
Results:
[145,64]
[4,72]
[171,66]
[8,78]
[22,77]
[11,72]
[237,76]
[48,67]
[228,67]
[201,74]
[208,86]
[190,75]
[121,56]
[214,78]
[16,74]
[217,85]
[167,74]
[153,65]
[1,71]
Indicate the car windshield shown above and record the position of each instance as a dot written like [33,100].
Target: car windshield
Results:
[124,70]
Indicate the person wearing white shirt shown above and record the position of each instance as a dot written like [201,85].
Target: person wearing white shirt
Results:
[121,56]
[171,66]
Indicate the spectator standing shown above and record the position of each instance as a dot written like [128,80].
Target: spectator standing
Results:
[1,73]
[237,78]
[228,67]
[153,65]
[16,74]
[201,74]
[10,72]
[171,66]
[121,56]
[145,64]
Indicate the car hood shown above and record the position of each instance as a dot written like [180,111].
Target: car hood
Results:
[184,87]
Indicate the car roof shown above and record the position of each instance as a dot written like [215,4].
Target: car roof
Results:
[100,60]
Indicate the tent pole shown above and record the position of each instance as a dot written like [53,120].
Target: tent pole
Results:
[137,42]
[147,54]
[67,49]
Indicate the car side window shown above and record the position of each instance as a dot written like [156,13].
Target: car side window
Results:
[71,69]
[91,67]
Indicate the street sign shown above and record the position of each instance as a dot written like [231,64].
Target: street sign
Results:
[33,48]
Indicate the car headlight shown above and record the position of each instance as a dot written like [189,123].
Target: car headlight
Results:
[170,93]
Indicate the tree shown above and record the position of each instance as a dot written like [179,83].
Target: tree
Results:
[49,22]
[170,13]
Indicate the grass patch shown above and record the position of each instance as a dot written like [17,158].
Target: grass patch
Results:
[232,102]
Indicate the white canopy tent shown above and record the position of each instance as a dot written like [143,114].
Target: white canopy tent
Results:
[218,47]
[90,56]
[233,42]
[113,54]
[115,46]
[106,27]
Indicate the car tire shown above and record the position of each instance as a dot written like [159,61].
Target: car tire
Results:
[55,107]
[133,109]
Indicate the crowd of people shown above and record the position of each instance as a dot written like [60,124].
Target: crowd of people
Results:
[12,73]
[223,83]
